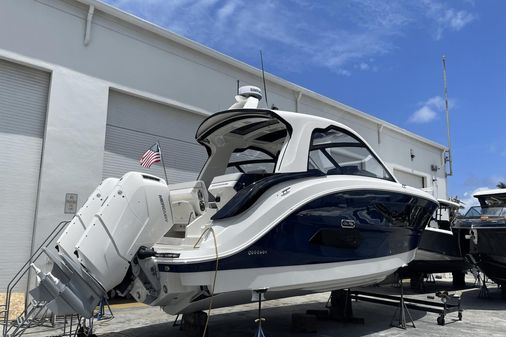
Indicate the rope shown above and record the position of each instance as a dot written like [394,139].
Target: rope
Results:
[214,281]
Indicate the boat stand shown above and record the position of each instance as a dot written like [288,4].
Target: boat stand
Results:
[259,294]
[420,282]
[480,279]
[484,293]
[402,309]
[449,303]
[338,308]
[102,314]
[193,324]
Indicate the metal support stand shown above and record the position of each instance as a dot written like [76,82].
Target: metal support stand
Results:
[483,289]
[177,322]
[193,324]
[260,293]
[449,303]
[402,309]
[101,314]
[420,282]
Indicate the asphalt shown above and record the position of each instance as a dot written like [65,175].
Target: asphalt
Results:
[481,317]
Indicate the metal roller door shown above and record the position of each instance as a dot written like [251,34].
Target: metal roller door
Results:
[135,124]
[23,106]
[410,179]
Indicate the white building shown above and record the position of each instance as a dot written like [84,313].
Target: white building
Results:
[85,89]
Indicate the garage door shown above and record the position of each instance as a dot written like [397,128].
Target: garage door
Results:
[23,106]
[409,179]
[135,124]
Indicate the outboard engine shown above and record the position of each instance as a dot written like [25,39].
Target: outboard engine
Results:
[96,248]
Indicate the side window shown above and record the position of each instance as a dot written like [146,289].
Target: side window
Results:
[250,160]
[335,151]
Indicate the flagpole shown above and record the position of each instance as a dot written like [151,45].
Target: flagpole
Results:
[163,164]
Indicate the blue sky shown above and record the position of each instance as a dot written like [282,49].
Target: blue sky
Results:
[382,57]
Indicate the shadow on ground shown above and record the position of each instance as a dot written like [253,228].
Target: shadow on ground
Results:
[278,323]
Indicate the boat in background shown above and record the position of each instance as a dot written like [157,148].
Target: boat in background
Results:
[487,236]
[461,227]
[438,251]
[286,203]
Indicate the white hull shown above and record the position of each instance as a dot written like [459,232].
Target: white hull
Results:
[235,286]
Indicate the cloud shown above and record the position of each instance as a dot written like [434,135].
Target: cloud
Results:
[429,110]
[446,18]
[362,66]
[423,115]
[335,35]
[468,200]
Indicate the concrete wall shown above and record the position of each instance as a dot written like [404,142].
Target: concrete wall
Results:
[50,34]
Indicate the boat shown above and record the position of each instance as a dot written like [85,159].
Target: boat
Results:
[439,249]
[487,236]
[462,226]
[286,204]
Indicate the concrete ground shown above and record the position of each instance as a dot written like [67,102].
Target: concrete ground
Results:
[481,317]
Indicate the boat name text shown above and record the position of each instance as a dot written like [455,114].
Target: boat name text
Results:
[257,252]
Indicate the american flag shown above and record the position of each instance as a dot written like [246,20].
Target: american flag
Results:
[151,156]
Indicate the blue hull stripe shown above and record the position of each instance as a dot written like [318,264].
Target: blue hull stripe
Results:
[345,226]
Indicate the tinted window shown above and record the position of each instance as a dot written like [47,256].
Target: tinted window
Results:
[250,160]
[335,151]
[473,211]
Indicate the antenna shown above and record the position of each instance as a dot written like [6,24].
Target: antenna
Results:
[263,78]
[448,156]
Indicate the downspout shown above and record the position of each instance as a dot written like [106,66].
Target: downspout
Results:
[297,101]
[87,31]
[380,129]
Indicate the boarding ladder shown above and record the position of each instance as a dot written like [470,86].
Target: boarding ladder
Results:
[35,313]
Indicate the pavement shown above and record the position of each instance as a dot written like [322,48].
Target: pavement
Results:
[481,317]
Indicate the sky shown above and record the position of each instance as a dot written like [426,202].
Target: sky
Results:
[381,57]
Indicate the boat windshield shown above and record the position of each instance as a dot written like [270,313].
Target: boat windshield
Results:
[474,211]
[493,211]
[335,151]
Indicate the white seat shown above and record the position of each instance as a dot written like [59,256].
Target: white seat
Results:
[222,188]
[187,202]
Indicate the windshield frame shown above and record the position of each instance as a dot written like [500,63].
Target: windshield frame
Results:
[211,126]
[359,144]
